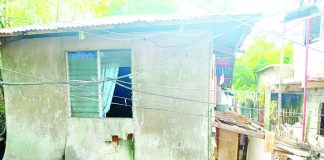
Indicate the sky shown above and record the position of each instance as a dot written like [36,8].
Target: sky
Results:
[273,12]
[272,20]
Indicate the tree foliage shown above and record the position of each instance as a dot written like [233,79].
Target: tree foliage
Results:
[258,55]
[25,12]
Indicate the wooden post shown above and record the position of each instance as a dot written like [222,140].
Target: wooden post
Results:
[228,145]
[308,124]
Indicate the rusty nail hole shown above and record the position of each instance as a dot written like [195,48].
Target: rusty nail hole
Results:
[130,136]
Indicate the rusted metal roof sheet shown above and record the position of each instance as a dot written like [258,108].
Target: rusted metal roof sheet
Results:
[238,123]
[108,21]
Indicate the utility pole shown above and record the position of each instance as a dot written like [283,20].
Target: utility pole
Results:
[282,55]
[306,77]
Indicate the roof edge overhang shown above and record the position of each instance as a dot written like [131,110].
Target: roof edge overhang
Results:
[139,25]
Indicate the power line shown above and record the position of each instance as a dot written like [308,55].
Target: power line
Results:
[116,79]
[20,84]
[185,99]
[167,61]
[265,31]
[149,35]
[190,100]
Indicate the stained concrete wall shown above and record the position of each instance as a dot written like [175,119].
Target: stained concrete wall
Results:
[169,128]
[267,81]
[315,99]
[164,128]
[94,136]
[35,115]
[256,150]
[315,60]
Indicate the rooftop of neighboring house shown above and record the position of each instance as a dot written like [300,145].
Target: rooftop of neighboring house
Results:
[238,123]
[275,66]
[235,122]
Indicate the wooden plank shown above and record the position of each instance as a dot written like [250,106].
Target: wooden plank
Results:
[238,130]
[84,89]
[84,72]
[85,109]
[292,150]
[85,115]
[76,104]
[228,145]
[289,88]
[269,142]
[83,66]
[84,77]
[83,99]
[120,63]
[312,84]
[76,62]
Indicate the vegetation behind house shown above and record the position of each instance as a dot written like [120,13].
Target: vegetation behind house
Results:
[259,55]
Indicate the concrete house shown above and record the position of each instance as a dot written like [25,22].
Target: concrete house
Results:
[115,88]
[315,81]
[293,78]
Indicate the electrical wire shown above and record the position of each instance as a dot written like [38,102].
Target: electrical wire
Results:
[155,65]
[43,82]
[146,36]
[166,96]
[33,84]
[179,98]
[277,34]
[250,108]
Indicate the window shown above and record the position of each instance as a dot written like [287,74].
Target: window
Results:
[104,99]
[315,29]
[321,123]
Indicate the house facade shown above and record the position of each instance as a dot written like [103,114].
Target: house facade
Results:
[113,88]
[293,79]
[314,101]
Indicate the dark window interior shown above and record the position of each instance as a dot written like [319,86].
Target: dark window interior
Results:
[315,30]
[322,120]
[289,101]
[121,103]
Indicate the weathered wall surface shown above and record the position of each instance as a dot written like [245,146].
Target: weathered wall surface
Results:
[164,128]
[91,139]
[315,99]
[169,128]
[256,150]
[315,60]
[271,76]
[36,115]
[267,82]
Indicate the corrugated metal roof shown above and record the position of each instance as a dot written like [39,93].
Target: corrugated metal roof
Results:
[108,21]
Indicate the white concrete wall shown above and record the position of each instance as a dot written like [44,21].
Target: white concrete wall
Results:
[316,63]
[267,82]
[37,117]
[92,135]
[256,150]
[315,60]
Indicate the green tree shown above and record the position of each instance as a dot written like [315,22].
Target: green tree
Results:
[25,12]
[258,55]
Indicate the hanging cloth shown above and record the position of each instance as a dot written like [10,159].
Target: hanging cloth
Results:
[108,87]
